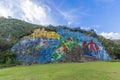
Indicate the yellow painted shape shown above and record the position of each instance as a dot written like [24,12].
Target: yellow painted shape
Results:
[66,44]
[38,33]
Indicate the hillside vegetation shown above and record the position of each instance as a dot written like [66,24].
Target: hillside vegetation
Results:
[11,30]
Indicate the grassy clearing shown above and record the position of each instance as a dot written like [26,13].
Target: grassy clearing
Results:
[64,71]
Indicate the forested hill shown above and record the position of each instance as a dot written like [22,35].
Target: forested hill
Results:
[11,30]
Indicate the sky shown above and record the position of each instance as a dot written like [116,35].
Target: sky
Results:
[101,15]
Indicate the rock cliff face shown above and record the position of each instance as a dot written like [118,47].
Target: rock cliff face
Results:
[62,46]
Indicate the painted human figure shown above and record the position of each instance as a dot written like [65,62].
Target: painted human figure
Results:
[91,43]
[85,47]
[97,48]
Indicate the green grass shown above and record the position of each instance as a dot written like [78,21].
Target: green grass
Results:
[64,71]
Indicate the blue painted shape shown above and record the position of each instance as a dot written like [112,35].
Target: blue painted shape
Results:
[45,54]
[42,55]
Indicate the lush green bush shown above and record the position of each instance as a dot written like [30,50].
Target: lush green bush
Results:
[7,57]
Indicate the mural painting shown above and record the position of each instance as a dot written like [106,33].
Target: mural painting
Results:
[48,46]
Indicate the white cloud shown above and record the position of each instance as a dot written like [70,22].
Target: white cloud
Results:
[40,12]
[73,15]
[95,27]
[32,11]
[110,35]
[4,11]
[26,10]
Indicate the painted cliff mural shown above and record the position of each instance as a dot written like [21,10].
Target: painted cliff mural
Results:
[48,46]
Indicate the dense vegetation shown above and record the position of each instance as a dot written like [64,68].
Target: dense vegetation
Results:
[11,30]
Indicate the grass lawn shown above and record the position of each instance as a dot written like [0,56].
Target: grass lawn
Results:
[64,71]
